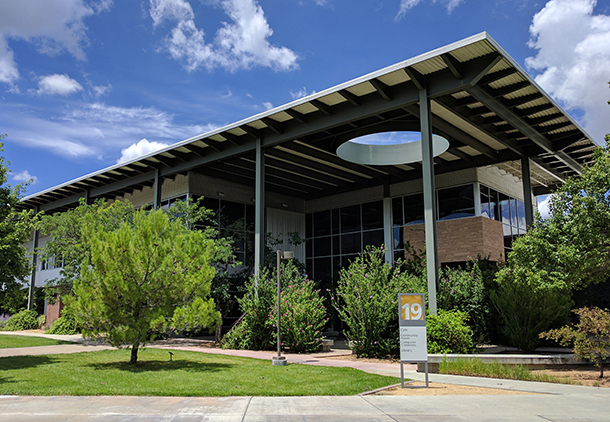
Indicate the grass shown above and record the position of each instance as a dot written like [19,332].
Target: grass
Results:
[477,368]
[8,341]
[190,374]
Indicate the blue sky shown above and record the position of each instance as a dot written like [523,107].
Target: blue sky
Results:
[87,83]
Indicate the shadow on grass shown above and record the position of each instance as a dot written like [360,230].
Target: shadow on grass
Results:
[23,362]
[160,366]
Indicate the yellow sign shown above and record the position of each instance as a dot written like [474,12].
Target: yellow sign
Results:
[412,307]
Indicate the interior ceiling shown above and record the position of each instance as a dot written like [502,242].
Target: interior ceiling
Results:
[482,102]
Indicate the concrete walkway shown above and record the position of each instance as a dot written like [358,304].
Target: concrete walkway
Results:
[560,403]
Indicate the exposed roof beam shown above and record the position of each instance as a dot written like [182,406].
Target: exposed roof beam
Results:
[542,119]
[234,139]
[274,125]
[255,133]
[282,174]
[417,78]
[509,89]
[496,76]
[326,109]
[351,98]
[180,155]
[215,145]
[453,64]
[519,124]
[299,117]
[383,90]
[165,160]
[196,150]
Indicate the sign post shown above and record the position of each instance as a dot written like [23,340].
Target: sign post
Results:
[412,325]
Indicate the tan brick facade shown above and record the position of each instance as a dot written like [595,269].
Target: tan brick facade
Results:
[53,312]
[462,239]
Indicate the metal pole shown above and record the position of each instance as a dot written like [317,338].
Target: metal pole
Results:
[527,191]
[429,199]
[279,359]
[34,269]
[259,213]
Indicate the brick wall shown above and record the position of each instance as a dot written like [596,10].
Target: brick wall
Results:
[53,312]
[462,239]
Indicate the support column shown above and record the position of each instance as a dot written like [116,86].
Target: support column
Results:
[429,198]
[87,197]
[157,189]
[388,234]
[34,267]
[259,206]
[527,191]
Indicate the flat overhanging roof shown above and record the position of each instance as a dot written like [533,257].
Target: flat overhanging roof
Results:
[488,108]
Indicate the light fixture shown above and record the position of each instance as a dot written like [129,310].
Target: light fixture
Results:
[284,205]
[221,194]
[388,149]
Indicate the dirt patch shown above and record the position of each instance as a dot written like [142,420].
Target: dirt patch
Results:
[583,376]
[436,389]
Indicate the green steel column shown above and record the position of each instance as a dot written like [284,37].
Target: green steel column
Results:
[429,198]
[34,268]
[259,216]
[157,188]
[388,235]
[527,191]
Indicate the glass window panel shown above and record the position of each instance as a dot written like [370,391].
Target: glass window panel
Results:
[212,204]
[231,212]
[321,246]
[336,268]
[456,202]
[336,245]
[372,215]
[250,214]
[321,223]
[399,238]
[397,211]
[485,202]
[350,243]
[309,225]
[521,215]
[309,248]
[346,260]
[350,219]
[336,216]
[372,238]
[322,269]
[399,255]
[504,208]
[309,267]
[414,209]
[513,212]
[506,230]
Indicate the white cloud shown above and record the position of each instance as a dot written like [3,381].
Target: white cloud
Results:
[100,90]
[406,5]
[301,93]
[52,26]
[25,176]
[241,44]
[574,57]
[267,105]
[57,85]
[95,130]
[543,205]
[142,147]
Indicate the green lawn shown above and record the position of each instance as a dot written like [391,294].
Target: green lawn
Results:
[8,341]
[190,374]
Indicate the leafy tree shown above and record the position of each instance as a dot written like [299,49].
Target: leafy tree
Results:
[150,273]
[590,337]
[15,230]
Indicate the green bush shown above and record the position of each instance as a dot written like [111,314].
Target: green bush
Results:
[303,316]
[302,308]
[24,320]
[40,321]
[366,300]
[448,332]
[529,303]
[65,324]
[464,290]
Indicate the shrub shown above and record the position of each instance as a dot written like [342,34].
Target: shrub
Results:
[590,337]
[464,290]
[303,316]
[528,303]
[448,332]
[40,320]
[303,313]
[366,300]
[24,320]
[65,324]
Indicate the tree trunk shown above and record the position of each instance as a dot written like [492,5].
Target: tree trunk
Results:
[601,365]
[134,353]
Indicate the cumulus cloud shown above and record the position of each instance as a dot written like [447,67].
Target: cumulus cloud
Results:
[406,5]
[301,93]
[241,44]
[267,105]
[100,90]
[95,130]
[140,148]
[573,59]
[57,85]
[543,205]
[25,177]
[53,26]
